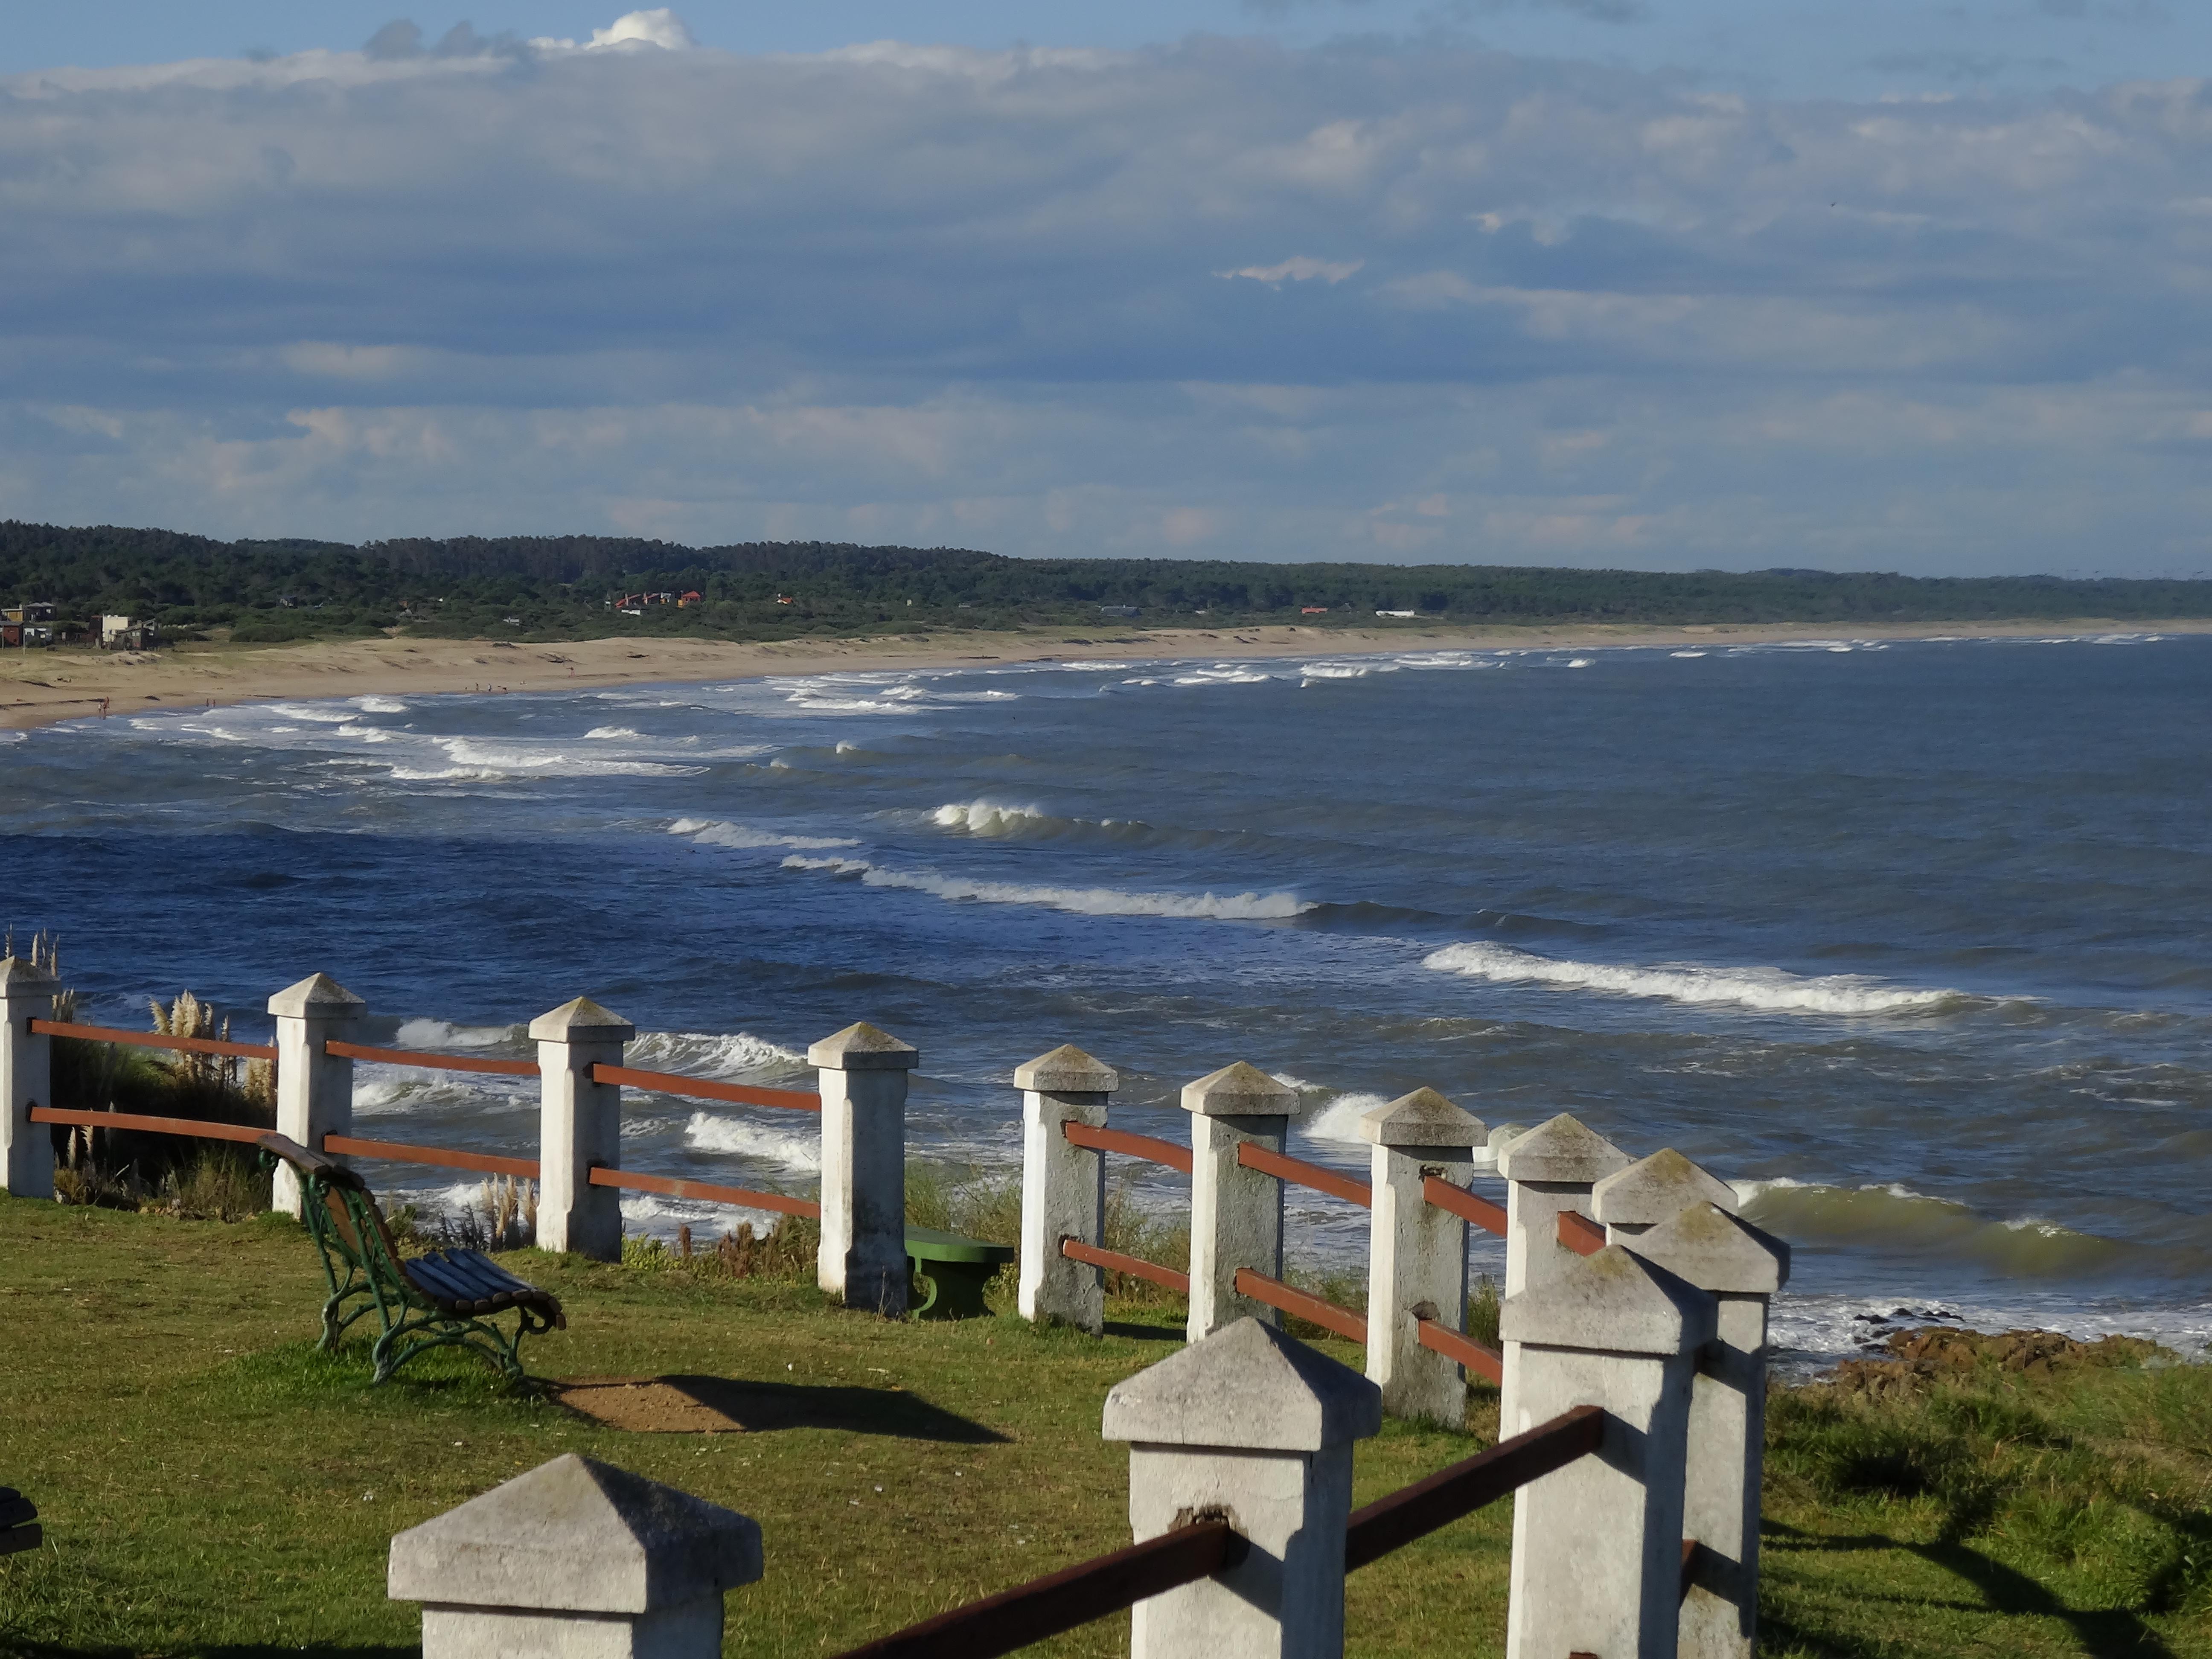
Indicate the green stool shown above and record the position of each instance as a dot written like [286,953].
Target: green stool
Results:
[955,1269]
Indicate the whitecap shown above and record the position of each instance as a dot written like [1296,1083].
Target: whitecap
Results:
[713,1055]
[709,1132]
[723,832]
[319,713]
[379,705]
[1080,901]
[1338,1120]
[985,818]
[1579,662]
[438,1034]
[613,734]
[1685,654]
[1768,989]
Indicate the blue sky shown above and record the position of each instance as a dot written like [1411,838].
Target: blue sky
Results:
[1592,282]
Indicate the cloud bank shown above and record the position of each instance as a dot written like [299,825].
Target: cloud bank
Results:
[1219,298]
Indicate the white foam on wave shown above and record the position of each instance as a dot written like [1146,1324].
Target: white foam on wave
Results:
[1579,662]
[1225,674]
[379,705]
[989,818]
[438,1034]
[716,1055]
[550,760]
[1080,901]
[1338,1120]
[1768,989]
[1345,671]
[1685,654]
[613,734]
[709,1132]
[721,832]
[320,714]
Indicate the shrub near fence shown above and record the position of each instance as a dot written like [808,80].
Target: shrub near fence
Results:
[1632,1289]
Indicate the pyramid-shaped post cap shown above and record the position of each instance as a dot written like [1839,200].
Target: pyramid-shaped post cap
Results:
[1246,1386]
[1563,1150]
[1614,1302]
[20,976]
[1067,1071]
[582,1020]
[576,1535]
[861,1048]
[1239,1091]
[316,997]
[1423,1118]
[1652,1189]
[1716,1251]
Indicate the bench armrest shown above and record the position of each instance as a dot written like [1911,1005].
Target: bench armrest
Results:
[316,1164]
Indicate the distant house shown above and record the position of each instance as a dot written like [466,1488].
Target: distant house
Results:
[127,633]
[1313,611]
[692,597]
[31,610]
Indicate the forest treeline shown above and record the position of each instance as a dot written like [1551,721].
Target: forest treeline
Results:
[565,587]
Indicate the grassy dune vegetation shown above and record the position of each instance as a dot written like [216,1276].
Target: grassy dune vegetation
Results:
[209,1482]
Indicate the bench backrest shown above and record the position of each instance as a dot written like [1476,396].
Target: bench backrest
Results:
[342,1213]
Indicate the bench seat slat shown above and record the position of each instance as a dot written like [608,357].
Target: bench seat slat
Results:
[430,1278]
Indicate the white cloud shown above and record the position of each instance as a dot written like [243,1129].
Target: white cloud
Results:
[659,26]
[1041,300]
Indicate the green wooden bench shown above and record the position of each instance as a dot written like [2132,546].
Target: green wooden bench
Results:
[447,1298]
[956,1270]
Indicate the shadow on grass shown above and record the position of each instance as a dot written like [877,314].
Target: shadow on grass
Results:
[1137,1333]
[236,1650]
[2104,1631]
[695,1404]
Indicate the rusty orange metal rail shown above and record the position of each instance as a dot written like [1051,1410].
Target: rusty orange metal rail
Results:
[1485,1362]
[704,1191]
[1312,1309]
[1417,1510]
[1136,1266]
[154,1039]
[1491,1217]
[1120,1141]
[1300,1173]
[1065,1600]
[1580,1234]
[674,1083]
[430,1062]
[443,1157]
[156,1126]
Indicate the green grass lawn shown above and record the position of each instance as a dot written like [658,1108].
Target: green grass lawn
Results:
[209,1483]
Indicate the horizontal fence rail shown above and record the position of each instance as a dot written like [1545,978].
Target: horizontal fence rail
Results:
[1300,1173]
[674,1083]
[1135,1267]
[1311,1308]
[443,1157]
[704,1191]
[1417,1510]
[1485,1362]
[1120,1141]
[1065,1600]
[156,1126]
[1580,1234]
[155,1040]
[1457,1201]
[423,1061]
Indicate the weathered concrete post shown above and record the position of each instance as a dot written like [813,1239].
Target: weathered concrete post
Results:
[863,1078]
[579,1125]
[575,1560]
[314,1090]
[1632,1202]
[1255,1427]
[27,1078]
[1597,1545]
[1235,1213]
[1416,1254]
[1547,1168]
[1742,1267]
[1063,1186]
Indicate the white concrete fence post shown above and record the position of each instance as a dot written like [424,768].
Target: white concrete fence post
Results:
[1597,1545]
[579,1125]
[575,1560]
[314,1090]
[1631,1202]
[1256,1428]
[1416,1254]
[1742,1267]
[1063,1186]
[863,1078]
[27,1078]
[1547,1169]
[1235,1213]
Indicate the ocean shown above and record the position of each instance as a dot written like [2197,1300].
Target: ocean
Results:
[1910,941]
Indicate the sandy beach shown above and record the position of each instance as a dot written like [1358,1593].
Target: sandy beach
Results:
[45,687]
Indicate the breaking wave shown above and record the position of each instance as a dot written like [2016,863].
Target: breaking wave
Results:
[1769,990]
[1338,1120]
[720,832]
[985,818]
[379,705]
[708,1132]
[702,1054]
[1080,901]
[437,1033]
[1894,1218]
